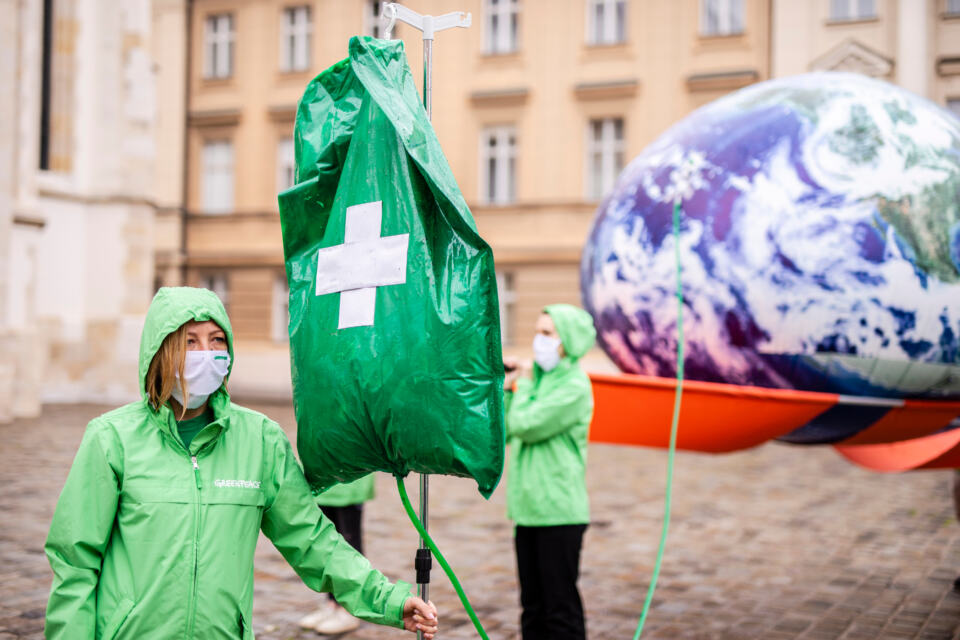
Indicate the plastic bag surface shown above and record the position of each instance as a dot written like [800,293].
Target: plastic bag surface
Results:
[394,319]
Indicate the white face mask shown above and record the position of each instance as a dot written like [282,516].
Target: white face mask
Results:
[204,372]
[546,351]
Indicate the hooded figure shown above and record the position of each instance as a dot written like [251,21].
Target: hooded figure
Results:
[547,419]
[154,538]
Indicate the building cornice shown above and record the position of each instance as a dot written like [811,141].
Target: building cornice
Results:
[536,206]
[214,118]
[221,260]
[29,221]
[227,218]
[851,22]
[536,255]
[723,80]
[608,90]
[282,113]
[948,66]
[96,199]
[500,97]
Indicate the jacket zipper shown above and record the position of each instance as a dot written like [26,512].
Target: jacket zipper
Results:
[196,547]
[191,604]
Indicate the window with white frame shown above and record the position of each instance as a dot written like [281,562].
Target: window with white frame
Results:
[218,46]
[501,25]
[219,283]
[853,9]
[721,17]
[498,162]
[606,21]
[280,309]
[372,18]
[217,176]
[604,155]
[952,7]
[286,166]
[507,295]
[296,29]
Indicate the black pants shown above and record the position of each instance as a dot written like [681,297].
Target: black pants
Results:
[349,523]
[548,563]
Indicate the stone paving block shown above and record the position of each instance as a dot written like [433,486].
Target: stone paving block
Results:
[793,625]
[831,630]
[814,606]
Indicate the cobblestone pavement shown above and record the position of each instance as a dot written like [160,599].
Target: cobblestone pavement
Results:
[776,542]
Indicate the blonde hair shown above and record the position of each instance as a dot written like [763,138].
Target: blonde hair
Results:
[166,365]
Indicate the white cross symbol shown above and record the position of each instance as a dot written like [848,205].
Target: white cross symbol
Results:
[362,263]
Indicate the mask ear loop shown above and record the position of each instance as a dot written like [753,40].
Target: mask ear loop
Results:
[226,373]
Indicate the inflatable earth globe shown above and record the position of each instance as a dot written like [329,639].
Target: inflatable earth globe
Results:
[819,241]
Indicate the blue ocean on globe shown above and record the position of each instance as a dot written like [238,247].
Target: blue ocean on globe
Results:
[819,242]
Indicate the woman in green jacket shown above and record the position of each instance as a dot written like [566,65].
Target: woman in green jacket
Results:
[547,419]
[155,530]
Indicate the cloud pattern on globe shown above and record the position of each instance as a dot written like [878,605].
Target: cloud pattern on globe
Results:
[819,241]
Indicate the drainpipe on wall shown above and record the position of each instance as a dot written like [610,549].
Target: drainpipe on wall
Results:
[771,7]
[188,21]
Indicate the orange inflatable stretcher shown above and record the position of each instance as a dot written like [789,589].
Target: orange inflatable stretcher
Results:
[896,435]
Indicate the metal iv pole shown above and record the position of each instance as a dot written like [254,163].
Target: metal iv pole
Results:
[427,25]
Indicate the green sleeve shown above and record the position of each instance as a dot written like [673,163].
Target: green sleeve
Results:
[533,418]
[340,495]
[507,401]
[320,556]
[79,533]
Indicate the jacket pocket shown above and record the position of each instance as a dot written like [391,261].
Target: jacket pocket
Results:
[117,619]
[238,509]
[236,497]
[147,494]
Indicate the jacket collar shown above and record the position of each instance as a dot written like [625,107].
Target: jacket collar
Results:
[166,421]
[563,367]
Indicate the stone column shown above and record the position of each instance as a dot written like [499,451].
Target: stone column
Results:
[912,56]
[9,56]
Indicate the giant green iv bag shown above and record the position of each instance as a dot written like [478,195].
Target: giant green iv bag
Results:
[394,320]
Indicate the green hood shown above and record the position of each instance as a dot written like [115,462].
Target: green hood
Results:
[172,307]
[575,328]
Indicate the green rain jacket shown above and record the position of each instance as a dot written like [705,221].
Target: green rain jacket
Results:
[341,495]
[151,540]
[547,422]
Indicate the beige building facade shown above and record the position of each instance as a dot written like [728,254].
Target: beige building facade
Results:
[912,43]
[538,106]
